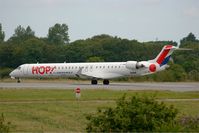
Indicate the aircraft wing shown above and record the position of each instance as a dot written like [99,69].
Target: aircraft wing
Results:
[97,75]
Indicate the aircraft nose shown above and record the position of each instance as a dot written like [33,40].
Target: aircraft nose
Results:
[12,74]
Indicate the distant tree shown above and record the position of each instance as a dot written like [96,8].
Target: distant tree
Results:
[4,72]
[101,37]
[33,50]
[29,32]
[189,38]
[58,34]
[2,34]
[22,34]
[19,31]
[95,59]
[193,75]
[54,53]
[6,56]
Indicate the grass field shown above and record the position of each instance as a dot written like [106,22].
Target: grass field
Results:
[51,110]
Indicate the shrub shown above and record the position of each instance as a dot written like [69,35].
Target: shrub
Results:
[130,115]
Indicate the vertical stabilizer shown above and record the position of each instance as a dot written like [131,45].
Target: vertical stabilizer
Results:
[164,56]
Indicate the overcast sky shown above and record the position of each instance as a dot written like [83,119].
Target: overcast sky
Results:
[143,20]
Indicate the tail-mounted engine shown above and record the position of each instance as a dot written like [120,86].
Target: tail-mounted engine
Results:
[152,67]
[134,65]
[142,64]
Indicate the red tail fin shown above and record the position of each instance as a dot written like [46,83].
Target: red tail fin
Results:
[164,56]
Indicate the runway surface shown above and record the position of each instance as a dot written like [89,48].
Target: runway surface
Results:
[172,86]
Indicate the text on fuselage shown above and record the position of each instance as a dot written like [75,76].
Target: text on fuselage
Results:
[42,70]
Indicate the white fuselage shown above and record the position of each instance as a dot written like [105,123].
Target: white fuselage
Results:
[104,70]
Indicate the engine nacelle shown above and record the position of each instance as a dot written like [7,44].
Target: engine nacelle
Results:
[131,64]
[134,65]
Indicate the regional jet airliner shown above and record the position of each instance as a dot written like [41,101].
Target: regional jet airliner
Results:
[96,71]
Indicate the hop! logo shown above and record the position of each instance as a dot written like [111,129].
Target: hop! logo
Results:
[42,70]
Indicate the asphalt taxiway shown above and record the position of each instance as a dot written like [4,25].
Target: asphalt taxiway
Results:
[172,86]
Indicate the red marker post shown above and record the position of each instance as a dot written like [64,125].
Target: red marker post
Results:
[77,93]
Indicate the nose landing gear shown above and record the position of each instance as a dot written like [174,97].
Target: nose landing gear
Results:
[18,80]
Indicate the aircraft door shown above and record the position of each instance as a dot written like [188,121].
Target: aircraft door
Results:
[25,70]
[86,69]
[90,68]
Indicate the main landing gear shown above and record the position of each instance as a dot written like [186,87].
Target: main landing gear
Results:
[106,82]
[94,82]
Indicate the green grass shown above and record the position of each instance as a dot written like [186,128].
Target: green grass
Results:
[38,110]
[101,94]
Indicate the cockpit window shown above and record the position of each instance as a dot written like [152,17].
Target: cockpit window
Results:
[19,68]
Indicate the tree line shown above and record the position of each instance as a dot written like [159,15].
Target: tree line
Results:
[25,47]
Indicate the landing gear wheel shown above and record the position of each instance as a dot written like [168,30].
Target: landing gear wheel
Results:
[106,82]
[18,80]
[93,82]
